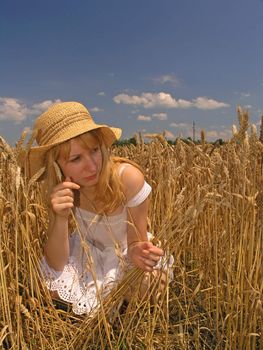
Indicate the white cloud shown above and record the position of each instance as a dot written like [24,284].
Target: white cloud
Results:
[160,116]
[184,104]
[27,129]
[101,93]
[242,93]
[224,134]
[245,94]
[212,133]
[13,109]
[168,78]
[183,130]
[168,134]
[165,100]
[42,106]
[145,118]
[16,110]
[129,100]
[179,125]
[96,109]
[208,103]
[151,100]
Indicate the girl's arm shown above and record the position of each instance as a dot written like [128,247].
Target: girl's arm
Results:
[141,252]
[56,249]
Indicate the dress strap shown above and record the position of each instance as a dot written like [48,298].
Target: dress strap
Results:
[140,196]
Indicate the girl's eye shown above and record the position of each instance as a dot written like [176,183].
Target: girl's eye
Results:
[74,159]
[95,149]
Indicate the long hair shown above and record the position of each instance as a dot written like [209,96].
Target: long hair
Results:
[109,191]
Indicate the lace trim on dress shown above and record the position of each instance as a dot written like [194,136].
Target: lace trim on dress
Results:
[80,289]
[140,196]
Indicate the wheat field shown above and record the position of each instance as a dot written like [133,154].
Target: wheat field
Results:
[206,210]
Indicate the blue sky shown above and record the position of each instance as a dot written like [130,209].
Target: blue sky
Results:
[141,65]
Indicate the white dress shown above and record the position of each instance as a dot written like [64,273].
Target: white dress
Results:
[98,257]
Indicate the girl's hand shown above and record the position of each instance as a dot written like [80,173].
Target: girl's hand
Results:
[144,255]
[62,197]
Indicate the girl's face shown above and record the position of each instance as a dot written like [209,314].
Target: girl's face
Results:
[83,165]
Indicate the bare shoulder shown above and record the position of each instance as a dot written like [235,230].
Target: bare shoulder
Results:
[132,179]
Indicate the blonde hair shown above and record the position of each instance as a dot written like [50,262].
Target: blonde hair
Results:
[109,189]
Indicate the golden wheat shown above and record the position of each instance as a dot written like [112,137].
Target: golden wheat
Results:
[206,210]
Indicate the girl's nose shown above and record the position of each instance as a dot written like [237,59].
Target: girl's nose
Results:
[90,164]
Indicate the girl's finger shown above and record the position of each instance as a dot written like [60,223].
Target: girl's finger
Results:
[154,257]
[66,184]
[147,245]
[156,251]
[65,192]
[60,207]
[59,200]
[147,254]
[148,262]
[72,185]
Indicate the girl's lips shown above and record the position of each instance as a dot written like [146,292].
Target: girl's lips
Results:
[92,177]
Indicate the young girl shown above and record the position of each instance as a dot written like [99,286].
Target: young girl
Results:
[109,199]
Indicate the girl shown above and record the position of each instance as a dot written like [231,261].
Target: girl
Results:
[109,199]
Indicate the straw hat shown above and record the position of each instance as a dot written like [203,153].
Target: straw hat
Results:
[60,123]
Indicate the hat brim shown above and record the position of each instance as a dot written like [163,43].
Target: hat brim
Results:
[36,156]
